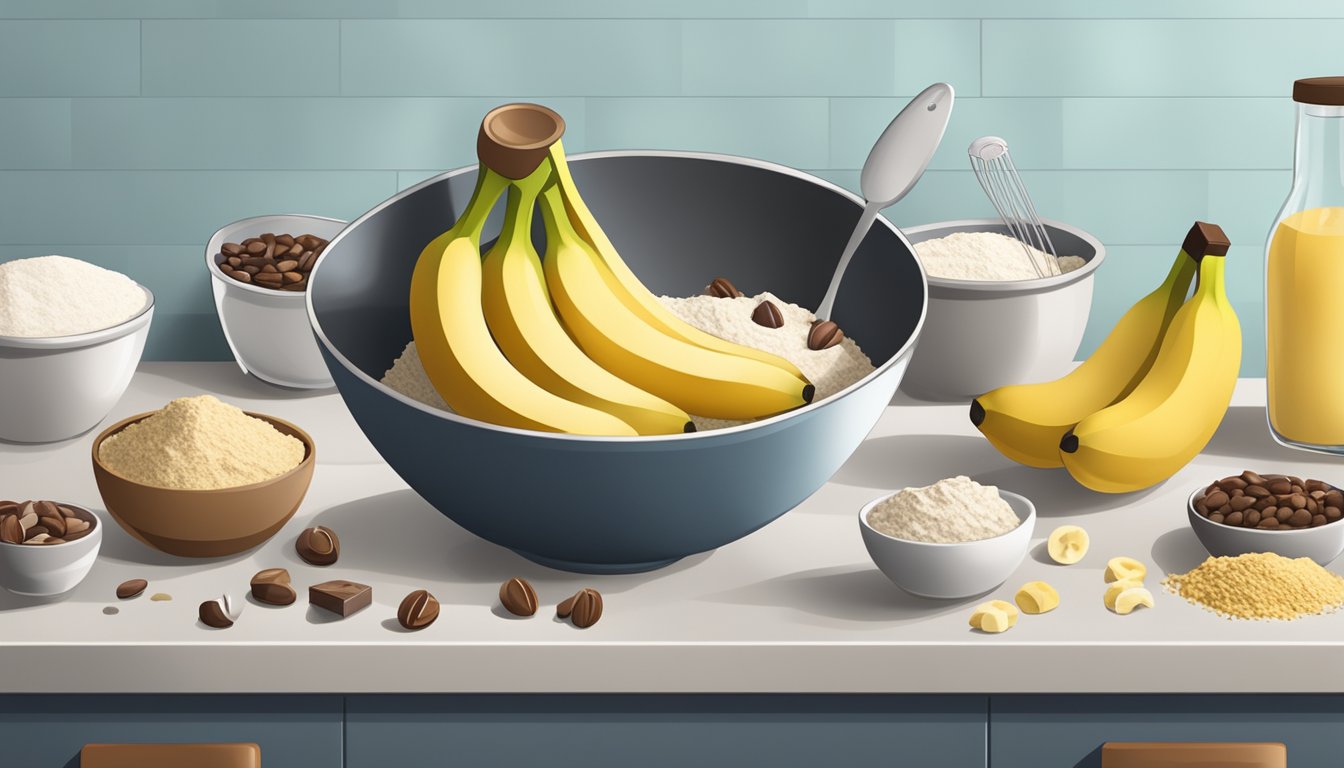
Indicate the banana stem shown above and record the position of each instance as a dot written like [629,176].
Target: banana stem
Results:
[489,186]
[559,229]
[522,199]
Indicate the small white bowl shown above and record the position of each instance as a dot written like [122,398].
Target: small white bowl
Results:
[984,334]
[950,571]
[268,330]
[58,387]
[50,569]
[1323,543]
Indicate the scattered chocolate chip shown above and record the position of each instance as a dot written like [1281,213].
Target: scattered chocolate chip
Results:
[131,588]
[720,288]
[418,610]
[768,315]
[824,334]
[518,597]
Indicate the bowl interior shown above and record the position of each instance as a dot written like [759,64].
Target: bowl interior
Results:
[1068,241]
[678,219]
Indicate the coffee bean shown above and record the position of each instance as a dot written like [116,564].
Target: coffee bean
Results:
[418,610]
[1234,519]
[272,587]
[1201,507]
[131,588]
[1332,513]
[35,530]
[1297,501]
[1215,499]
[1268,522]
[1241,503]
[1284,514]
[518,597]
[768,315]
[1216,517]
[1334,498]
[1318,520]
[1300,519]
[1252,518]
[1257,491]
[721,288]
[1280,486]
[587,608]
[231,249]
[824,334]
[280,255]
[40,538]
[212,614]
[1233,482]
[318,546]
[1264,503]
[56,525]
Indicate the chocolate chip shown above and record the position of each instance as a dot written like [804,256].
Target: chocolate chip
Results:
[212,615]
[318,545]
[768,315]
[131,588]
[720,288]
[824,334]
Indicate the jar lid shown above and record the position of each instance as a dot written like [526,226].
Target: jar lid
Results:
[1328,91]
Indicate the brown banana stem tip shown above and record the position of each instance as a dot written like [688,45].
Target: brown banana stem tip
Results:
[1205,239]
[514,138]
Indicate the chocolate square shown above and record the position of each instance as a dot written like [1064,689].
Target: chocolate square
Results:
[340,597]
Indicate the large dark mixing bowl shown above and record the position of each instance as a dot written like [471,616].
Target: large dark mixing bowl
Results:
[625,504]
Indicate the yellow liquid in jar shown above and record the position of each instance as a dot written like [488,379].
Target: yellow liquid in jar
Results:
[1305,327]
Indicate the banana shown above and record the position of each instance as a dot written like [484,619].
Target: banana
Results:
[628,287]
[519,314]
[460,356]
[702,381]
[1025,422]
[1174,411]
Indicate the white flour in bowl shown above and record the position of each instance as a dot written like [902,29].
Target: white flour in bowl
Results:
[948,512]
[60,296]
[987,256]
[830,370]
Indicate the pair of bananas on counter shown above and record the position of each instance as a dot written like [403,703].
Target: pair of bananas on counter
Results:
[1151,396]
[573,341]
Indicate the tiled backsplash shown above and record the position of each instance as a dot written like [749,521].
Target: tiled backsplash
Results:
[131,130]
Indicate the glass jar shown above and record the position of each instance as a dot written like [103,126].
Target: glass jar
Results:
[1304,280]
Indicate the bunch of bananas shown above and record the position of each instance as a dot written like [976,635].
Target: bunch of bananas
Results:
[572,341]
[1151,396]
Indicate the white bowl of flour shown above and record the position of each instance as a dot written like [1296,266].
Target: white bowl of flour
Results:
[991,320]
[945,541]
[71,335]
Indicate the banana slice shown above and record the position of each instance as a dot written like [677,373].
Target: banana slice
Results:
[1132,598]
[1067,544]
[994,616]
[1036,597]
[1114,589]
[1118,568]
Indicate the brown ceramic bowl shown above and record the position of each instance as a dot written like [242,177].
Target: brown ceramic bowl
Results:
[205,523]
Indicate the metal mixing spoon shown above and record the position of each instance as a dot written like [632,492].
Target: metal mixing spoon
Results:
[893,166]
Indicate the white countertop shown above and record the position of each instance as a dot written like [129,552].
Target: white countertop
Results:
[795,607]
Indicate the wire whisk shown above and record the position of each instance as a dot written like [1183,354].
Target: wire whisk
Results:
[999,179]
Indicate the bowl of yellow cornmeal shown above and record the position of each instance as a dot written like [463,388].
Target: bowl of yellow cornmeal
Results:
[202,478]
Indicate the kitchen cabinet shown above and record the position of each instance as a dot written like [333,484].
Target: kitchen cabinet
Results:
[47,731]
[559,731]
[1048,731]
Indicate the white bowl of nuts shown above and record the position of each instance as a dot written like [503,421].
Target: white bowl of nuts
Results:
[46,547]
[259,273]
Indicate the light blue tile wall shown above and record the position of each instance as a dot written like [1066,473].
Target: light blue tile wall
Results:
[130,130]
